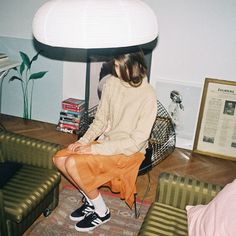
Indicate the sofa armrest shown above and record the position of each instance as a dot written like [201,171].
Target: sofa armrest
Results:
[179,191]
[26,150]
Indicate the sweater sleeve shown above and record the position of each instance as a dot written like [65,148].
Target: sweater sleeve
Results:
[138,137]
[100,121]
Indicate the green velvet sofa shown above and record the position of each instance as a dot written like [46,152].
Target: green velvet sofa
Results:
[33,185]
[167,215]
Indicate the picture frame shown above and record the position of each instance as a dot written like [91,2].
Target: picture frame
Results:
[215,134]
[184,116]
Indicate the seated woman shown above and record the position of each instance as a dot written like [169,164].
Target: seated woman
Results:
[123,123]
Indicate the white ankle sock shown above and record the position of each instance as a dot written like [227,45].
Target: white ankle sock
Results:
[87,199]
[99,205]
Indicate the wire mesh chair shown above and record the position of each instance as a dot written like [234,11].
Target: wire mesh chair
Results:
[160,144]
[86,120]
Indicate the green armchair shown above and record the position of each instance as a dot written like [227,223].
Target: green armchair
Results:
[167,215]
[32,187]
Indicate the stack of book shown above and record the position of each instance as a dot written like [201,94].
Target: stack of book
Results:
[72,110]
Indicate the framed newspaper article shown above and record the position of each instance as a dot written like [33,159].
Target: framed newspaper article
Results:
[216,127]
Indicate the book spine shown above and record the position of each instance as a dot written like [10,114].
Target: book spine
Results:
[73,107]
[68,126]
[69,123]
[65,130]
[70,119]
[67,113]
[72,112]
[74,101]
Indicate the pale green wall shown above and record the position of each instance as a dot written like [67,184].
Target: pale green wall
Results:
[47,91]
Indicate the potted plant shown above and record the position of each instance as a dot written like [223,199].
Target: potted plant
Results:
[27,80]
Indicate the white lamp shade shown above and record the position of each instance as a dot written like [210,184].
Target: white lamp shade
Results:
[95,23]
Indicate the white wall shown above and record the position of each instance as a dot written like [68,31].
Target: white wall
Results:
[74,75]
[16,17]
[197,40]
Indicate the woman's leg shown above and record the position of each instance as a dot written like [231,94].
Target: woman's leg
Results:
[59,162]
[94,195]
[67,166]
[100,214]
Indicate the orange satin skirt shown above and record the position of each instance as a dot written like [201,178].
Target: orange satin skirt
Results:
[118,172]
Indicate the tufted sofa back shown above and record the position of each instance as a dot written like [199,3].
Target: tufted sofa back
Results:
[18,148]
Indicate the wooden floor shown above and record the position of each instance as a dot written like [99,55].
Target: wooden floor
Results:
[180,162]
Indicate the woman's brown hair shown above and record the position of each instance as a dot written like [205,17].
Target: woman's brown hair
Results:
[133,68]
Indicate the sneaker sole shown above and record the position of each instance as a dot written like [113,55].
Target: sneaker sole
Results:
[91,228]
[77,218]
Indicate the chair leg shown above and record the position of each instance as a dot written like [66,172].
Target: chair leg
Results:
[135,206]
[137,211]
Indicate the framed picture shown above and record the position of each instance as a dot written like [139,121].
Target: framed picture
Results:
[216,127]
[181,100]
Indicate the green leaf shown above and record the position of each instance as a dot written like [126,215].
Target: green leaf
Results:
[15,78]
[35,57]
[25,59]
[38,75]
[22,68]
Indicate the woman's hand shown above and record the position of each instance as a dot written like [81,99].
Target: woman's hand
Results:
[84,149]
[80,148]
[74,146]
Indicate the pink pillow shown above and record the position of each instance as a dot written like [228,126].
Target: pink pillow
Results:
[217,218]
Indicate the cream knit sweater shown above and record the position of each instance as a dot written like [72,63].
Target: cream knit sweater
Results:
[124,118]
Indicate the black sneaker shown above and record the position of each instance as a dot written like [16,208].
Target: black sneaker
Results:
[91,221]
[82,211]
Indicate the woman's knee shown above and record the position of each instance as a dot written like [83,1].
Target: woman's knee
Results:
[70,163]
[59,161]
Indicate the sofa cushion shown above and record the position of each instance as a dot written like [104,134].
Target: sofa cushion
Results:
[26,189]
[217,217]
[7,170]
[163,219]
